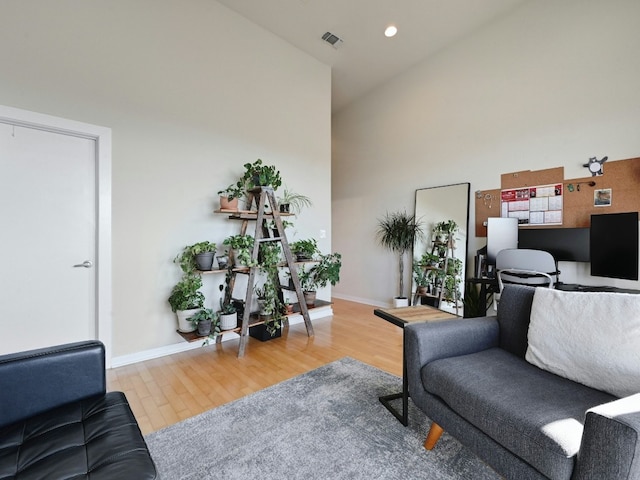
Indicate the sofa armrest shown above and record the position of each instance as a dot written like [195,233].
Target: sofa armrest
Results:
[611,441]
[429,341]
[34,381]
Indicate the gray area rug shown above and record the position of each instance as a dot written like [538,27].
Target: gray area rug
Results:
[324,424]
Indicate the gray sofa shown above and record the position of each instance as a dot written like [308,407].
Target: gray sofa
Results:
[471,378]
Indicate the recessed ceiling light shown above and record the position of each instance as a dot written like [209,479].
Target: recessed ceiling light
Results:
[390,31]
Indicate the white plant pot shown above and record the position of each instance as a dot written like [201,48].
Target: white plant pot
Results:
[228,321]
[400,302]
[184,325]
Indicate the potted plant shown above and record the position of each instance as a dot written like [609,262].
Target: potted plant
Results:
[270,312]
[421,275]
[429,259]
[292,202]
[473,301]
[207,322]
[398,231]
[186,299]
[198,256]
[228,312]
[444,230]
[288,307]
[230,196]
[271,224]
[305,249]
[241,249]
[326,271]
[258,174]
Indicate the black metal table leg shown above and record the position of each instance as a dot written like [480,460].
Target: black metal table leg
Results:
[404,395]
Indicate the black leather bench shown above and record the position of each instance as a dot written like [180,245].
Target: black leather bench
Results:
[58,421]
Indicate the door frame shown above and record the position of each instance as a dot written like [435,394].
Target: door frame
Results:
[102,139]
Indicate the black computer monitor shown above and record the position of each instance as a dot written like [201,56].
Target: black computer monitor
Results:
[564,244]
[614,245]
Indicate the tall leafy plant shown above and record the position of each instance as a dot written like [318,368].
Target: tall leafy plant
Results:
[398,231]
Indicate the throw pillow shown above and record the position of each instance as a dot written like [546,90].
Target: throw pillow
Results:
[590,337]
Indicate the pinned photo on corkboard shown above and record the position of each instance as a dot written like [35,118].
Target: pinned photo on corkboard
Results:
[602,197]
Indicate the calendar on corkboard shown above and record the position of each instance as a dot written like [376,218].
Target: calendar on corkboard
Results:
[536,205]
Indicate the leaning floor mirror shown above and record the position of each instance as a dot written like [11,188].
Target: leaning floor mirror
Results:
[440,258]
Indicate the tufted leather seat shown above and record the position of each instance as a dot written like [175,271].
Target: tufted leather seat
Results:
[57,421]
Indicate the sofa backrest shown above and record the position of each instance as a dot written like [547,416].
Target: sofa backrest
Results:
[514,311]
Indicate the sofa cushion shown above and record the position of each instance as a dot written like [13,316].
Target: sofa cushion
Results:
[96,438]
[589,337]
[536,415]
[514,311]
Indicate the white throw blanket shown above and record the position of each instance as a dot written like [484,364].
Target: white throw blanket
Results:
[591,338]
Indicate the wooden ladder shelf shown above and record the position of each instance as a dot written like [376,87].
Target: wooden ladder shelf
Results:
[262,195]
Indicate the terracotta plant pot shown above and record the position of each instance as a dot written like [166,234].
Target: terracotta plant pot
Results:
[226,204]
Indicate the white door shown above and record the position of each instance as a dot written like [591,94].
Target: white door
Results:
[48,245]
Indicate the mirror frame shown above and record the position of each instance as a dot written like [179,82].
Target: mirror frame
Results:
[426,200]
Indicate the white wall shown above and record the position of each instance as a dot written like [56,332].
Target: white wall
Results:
[191,91]
[551,84]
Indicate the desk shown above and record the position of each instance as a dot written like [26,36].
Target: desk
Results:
[401,317]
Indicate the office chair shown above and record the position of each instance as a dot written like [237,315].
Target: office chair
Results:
[525,267]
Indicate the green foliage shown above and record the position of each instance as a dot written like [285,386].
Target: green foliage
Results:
[398,231]
[255,174]
[204,315]
[429,259]
[421,275]
[307,248]
[242,246]
[226,305]
[258,174]
[326,271]
[445,228]
[185,294]
[473,301]
[235,190]
[296,201]
[451,288]
[187,258]
[269,256]
[270,305]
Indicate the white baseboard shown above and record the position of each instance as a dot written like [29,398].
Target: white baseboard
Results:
[366,301]
[121,361]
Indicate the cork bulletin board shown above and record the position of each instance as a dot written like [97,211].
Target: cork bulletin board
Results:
[616,191]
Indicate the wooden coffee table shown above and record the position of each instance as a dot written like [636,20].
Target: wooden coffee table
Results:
[401,317]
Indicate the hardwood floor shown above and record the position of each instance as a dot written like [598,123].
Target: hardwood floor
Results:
[167,390]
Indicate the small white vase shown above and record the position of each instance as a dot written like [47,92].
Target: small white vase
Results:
[400,302]
[184,325]
[228,321]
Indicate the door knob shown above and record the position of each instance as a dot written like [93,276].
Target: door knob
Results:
[85,264]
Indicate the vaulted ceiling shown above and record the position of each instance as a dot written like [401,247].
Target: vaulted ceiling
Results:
[366,58]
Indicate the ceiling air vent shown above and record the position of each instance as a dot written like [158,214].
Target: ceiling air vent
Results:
[332,40]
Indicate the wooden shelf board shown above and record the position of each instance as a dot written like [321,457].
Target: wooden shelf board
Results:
[253,321]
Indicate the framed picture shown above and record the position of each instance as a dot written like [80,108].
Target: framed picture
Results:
[602,197]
